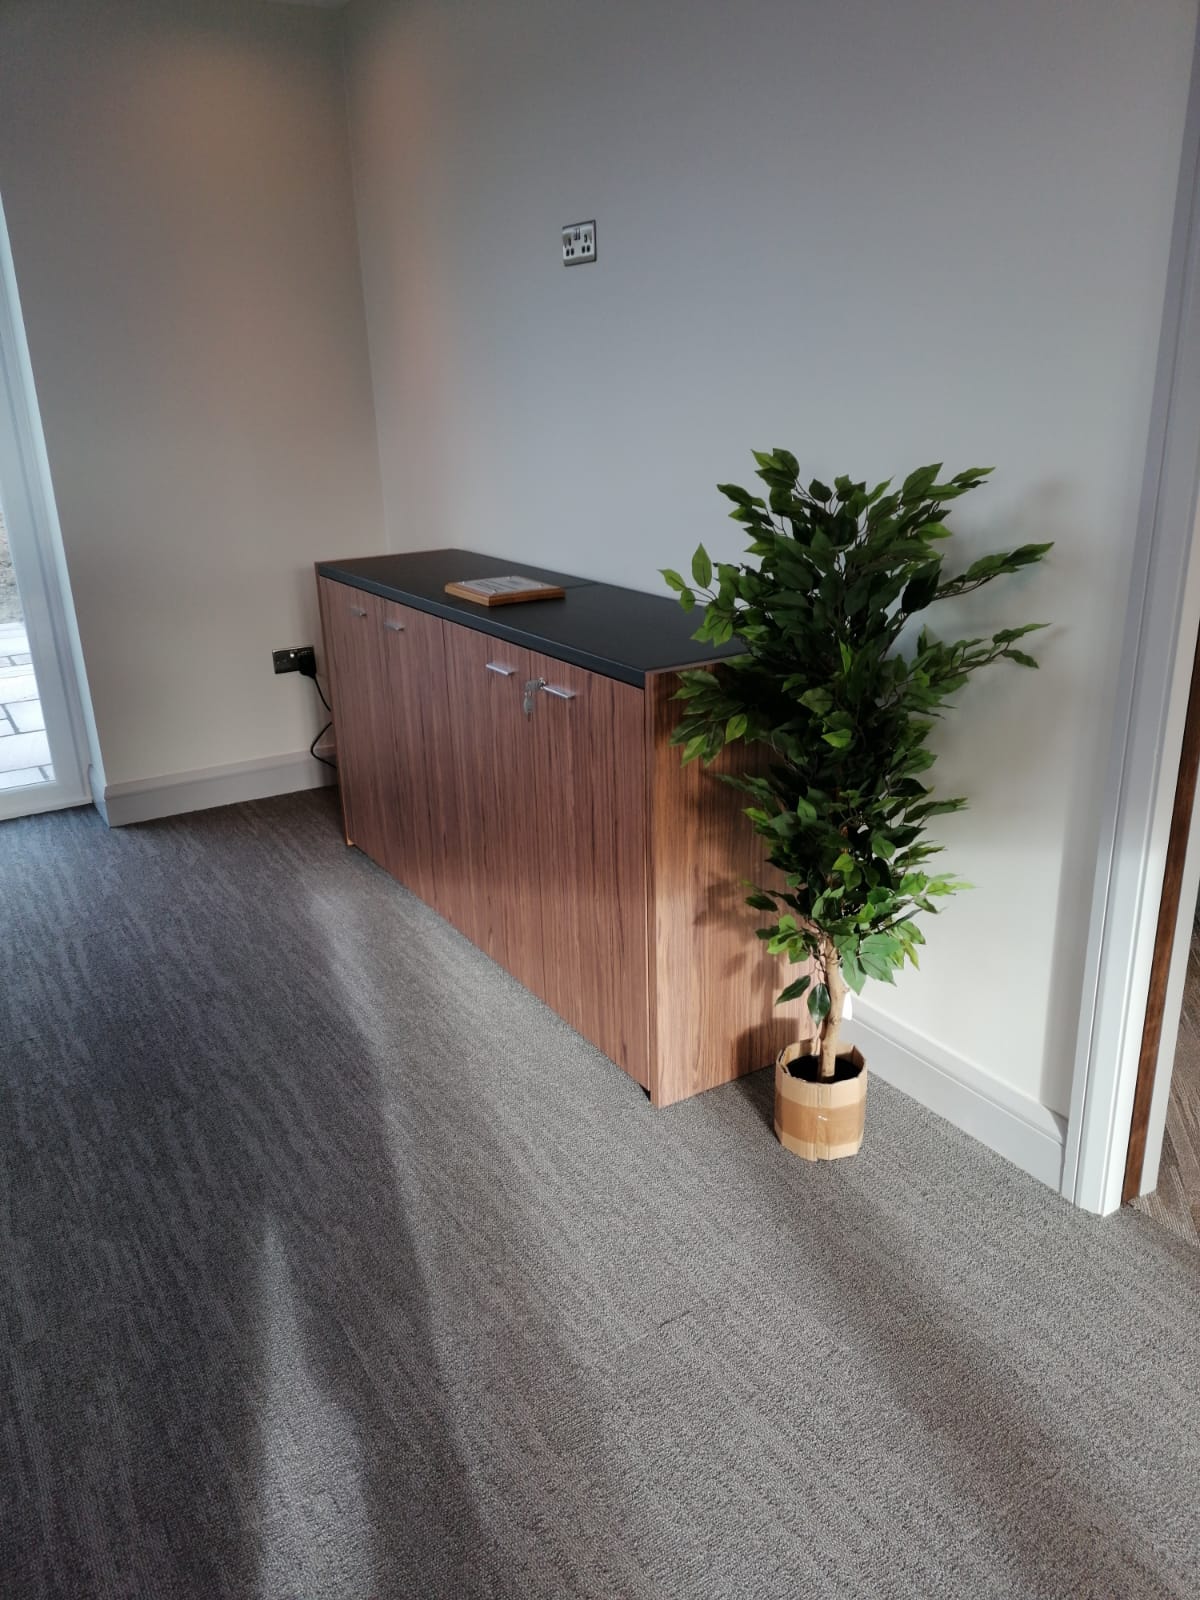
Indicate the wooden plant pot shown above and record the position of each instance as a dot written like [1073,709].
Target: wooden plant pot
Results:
[820,1121]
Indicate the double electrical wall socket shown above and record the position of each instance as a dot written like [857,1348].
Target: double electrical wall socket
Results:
[579,243]
[301,659]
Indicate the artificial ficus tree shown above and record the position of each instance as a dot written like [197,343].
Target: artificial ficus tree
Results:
[841,687]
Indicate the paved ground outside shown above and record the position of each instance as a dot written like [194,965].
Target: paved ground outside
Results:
[24,753]
[10,601]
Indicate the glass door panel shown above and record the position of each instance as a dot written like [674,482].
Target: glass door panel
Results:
[42,737]
[24,749]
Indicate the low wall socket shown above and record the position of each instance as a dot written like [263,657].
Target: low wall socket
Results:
[579,243]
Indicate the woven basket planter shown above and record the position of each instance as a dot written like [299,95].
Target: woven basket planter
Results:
[820,1121]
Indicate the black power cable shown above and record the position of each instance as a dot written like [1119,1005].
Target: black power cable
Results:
[312,749]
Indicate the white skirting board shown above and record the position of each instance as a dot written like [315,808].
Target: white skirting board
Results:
[1007,1121]
[143,799]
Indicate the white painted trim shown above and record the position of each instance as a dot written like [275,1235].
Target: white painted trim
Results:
[1007,1121]
[1161,624]
[96,785]
[36,799]
[171,795]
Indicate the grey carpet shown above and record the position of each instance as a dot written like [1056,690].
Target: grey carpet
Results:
[336,1266]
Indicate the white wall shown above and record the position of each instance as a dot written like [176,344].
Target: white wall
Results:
[880,233]
[177,183]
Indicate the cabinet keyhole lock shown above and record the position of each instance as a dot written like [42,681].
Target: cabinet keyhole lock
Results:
[531,689]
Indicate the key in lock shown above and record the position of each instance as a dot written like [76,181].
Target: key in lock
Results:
[531,689]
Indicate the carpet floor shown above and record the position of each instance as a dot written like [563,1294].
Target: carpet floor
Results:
[337,1268]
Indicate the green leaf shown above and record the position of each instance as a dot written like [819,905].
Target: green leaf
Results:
[736,726]
[702,567]
[1007,635]
[1020,657]
[986,567]
[882,846]
[818,1003]
[877,967]
[687,599]
[794,990]
[673,578]
[921,591]
[852,972]
[1025,555]
[760,902]
[693,748]
[846,654]
[839,738]
[918,484]
[818,701]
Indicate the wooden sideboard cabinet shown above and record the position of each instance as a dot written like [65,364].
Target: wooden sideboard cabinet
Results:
[512,767]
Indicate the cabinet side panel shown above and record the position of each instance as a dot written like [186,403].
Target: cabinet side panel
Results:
[362,723]
[713,987]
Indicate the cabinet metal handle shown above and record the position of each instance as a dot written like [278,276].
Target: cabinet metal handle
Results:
[357,611]
[559,694]
[498,666]
[394,627]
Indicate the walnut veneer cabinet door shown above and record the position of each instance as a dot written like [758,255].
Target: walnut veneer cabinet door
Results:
[352,623]
[491,878]
[421,813]
[586,769]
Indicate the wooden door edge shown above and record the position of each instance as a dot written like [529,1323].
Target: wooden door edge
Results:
[1164,938]
[655,685]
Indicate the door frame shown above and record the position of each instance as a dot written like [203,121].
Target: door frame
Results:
[35,540]
[1150,712]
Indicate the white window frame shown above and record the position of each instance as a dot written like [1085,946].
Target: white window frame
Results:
[39,563]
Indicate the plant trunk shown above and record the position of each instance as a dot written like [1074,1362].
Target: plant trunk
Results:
[836,985]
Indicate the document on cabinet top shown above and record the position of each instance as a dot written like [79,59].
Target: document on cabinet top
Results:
[504,591]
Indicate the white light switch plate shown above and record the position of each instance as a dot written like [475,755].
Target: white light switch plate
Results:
[579,243]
